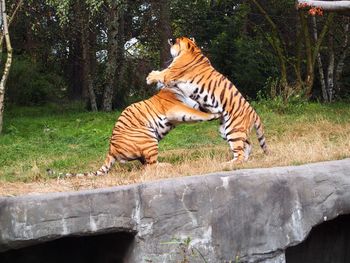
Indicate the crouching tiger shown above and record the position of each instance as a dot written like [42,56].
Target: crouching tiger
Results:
[143,124]
[192,73]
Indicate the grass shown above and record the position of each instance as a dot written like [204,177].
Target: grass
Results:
[67,139]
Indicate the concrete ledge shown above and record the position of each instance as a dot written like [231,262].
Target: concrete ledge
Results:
[254,214]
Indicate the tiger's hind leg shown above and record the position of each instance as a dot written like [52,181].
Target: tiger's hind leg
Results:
[222,129]
[239,145]
[247,150]
[150,153]
[152,168]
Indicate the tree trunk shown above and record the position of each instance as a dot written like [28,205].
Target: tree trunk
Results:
[311,52]
[344,50]
[121,88]
[74,66]
[112,50]
[8,61]
[165,32]
[308,50]
[319,62]
[87,72]
[10,20]
[330,71]
[87,75]
[299,49]
[116,43]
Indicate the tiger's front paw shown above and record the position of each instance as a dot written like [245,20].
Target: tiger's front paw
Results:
[215,116]
[153,77]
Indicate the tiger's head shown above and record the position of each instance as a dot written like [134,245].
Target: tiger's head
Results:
[182,45]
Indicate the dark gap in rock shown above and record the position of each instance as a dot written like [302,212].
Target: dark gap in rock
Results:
[328,242]
[104,248]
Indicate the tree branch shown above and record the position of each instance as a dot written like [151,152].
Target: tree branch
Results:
[276,42]
[319,60]
[19,4]
[331,6]
[322,35]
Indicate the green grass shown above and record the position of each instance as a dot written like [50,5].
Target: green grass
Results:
[51,138]
[68,139]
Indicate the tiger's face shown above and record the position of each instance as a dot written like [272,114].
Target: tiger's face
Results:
[182,45]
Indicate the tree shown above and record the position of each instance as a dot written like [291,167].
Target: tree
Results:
[336,52]
[115,51]
[334,70]
[87,53]
[80,12]
[104,49]
[320,64]
[344,50]
[164,31]
[76,19]
[5,34]
[303,81]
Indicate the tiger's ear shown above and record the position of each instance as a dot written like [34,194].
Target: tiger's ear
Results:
[193,40]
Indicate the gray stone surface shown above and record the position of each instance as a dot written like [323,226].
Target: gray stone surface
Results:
[252,214]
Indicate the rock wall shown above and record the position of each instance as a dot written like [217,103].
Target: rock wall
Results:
[250,215]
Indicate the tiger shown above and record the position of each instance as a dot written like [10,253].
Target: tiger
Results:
[192,73]
[142,125]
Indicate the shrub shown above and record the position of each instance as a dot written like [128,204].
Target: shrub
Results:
[30,84]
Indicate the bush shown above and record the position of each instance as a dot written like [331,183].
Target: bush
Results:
[30,84]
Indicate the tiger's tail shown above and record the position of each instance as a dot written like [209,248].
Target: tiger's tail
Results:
[105,168]
[260,133]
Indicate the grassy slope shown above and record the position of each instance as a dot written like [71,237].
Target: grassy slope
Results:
[68,140]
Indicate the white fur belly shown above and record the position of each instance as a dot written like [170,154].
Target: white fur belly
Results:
[187,88]
[205,100]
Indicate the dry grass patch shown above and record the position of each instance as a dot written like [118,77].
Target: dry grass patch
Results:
[302,143]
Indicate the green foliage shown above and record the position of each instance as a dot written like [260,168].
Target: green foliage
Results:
[233,34]
[187,251]
[295,105]
[252,66]
[222,33]
[63,7]
[95,5]
[30,84]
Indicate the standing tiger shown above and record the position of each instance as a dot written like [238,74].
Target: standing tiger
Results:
[143,124]
[192,73]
